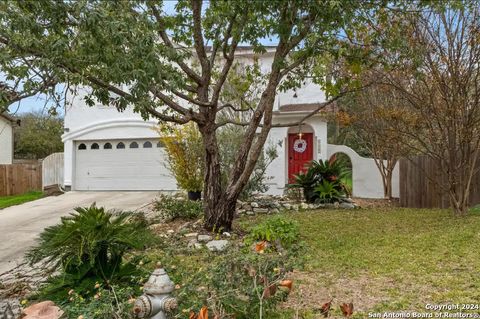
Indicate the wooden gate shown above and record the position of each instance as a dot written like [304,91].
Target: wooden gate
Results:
[52,170]
[18,179]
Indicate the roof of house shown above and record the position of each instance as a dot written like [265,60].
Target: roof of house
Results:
[9,118]
[307,107]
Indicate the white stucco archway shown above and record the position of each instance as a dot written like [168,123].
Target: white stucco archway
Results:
[366,178]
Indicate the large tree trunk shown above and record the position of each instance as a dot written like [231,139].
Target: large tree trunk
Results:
[219,206]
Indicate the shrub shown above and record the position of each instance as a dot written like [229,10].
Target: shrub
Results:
[230,141]
[107,303]
[89,246]
[329,192]
[275,229]
[172,208]
[231,284]
[322,182]
[185,155]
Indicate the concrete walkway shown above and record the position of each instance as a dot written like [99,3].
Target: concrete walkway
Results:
[20,225]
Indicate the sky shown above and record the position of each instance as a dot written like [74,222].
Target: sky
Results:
[40,102]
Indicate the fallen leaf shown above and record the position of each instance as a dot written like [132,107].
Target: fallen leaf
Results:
[287,283]
[203,313]
[347,309]
[269,291]
[325,310]
[260,247]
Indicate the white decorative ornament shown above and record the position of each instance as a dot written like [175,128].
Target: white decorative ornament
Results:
[300,145]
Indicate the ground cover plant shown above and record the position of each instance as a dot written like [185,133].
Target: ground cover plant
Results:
[247,280]
[385,259]
[171,208]
[7,201]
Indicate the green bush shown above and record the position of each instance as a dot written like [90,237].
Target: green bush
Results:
[329,192]
[107,303]
[88,247]
[322,182]
[172,208]
[275,229]
[230,140]
[230,284]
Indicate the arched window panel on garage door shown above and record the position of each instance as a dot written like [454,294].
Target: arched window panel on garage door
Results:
[95,146]
[120,145]
[82,146]
[147,144]
[134,145]
[107,146]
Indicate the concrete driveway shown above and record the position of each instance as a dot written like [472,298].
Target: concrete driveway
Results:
[20,225]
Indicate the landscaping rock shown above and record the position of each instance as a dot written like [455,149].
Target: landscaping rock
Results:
[287,206]
[204,238]
[217,245]
[227,234]
[347,205]
[254,204]
[191,235]
[192,243]
[304,206]
[249,212]
[260,210]
[43,310]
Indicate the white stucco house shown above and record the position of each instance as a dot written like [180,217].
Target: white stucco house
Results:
[6,138]
[110,150]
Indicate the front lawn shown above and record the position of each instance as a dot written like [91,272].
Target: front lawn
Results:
[387,259]
[8,201]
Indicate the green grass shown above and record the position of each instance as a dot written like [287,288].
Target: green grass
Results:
[390,259]
[8,201]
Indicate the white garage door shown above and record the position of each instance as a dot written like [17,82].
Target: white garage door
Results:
[121,165]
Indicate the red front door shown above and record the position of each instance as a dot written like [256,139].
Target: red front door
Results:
[300,153]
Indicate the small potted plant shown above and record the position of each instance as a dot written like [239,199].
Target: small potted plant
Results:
[185,157]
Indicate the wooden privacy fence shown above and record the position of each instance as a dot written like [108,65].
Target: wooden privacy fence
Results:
[418,191]
[17,179]
[52,170]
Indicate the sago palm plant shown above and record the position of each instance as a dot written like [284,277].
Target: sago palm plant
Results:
[91,243]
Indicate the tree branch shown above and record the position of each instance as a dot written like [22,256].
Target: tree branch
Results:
[163,34]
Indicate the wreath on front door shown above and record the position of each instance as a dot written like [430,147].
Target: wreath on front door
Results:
[300,145]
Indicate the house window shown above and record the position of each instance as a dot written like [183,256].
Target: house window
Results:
[82,147]
[120,145]
[134,145]
[160,144]
[95,146]
[147,144]
[107,146]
